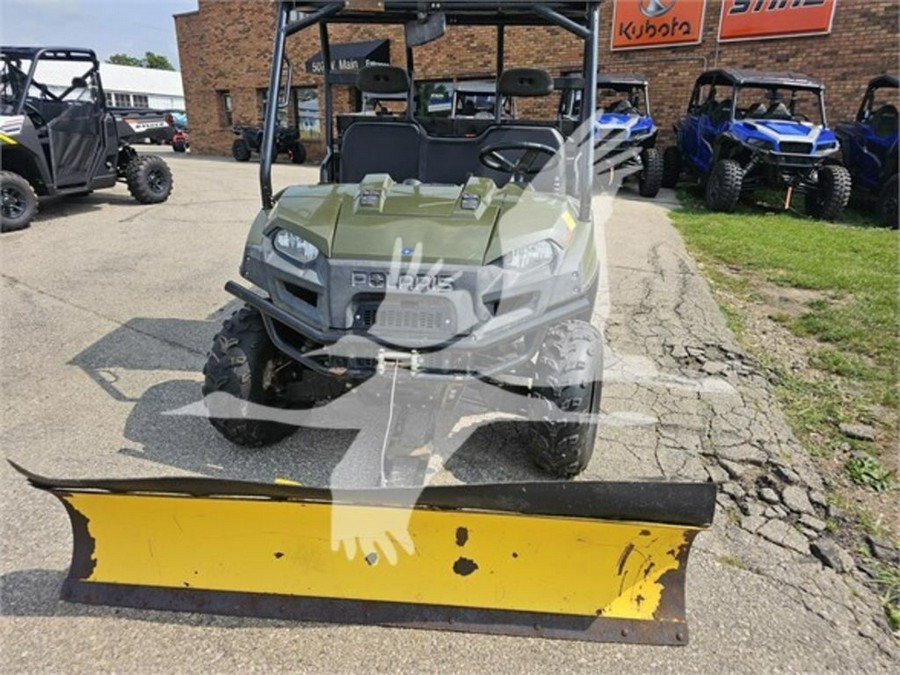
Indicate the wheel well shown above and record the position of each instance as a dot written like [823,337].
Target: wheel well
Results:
[19,160]
[727,148]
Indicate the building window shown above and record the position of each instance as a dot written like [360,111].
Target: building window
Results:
[306,112]
[262,98]
[140,101]
[122,100]
[109,100]
[226,108]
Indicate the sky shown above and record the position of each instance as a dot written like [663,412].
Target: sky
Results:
[107,26]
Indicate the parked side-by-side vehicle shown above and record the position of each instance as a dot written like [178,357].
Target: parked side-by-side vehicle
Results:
[66,142]
[869,147]
[746,130]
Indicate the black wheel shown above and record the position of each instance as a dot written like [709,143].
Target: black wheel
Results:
[832,193]
[179,146]
[245,363]
[297,153]
[723,189]
[18,202]
[650,179]
[671,167]
[149,179]
[567,381]
[887,203]
[240,150]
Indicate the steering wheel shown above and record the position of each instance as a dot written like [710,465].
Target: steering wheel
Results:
[34,114]
[492,157]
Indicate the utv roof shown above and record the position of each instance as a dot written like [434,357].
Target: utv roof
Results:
[460,12]
[626,79]
[52,53]
[885,81]
[739,76]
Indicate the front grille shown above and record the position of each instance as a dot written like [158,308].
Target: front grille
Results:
[797,148]
[415,318]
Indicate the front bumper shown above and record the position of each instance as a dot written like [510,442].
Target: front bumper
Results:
[332,318]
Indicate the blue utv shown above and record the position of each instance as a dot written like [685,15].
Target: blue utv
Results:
[624,132]
[746,130]
[869,147]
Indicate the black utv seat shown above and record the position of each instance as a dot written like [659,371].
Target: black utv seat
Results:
[405,151]
[369,146]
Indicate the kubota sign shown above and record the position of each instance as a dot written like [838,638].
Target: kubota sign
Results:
[639,24]
[764,19]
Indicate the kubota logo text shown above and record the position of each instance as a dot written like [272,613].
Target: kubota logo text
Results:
[657,23]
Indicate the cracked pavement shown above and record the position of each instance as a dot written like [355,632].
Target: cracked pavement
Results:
[108,310]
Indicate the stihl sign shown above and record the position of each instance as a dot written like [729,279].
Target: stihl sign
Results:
[764,19]
[639,24]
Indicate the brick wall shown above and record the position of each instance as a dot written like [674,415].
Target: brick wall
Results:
[226,46]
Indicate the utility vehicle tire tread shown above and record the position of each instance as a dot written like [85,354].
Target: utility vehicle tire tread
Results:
[141,174]
[887,203]
[297,153]
[829,200]
[240,150]
[723,189]
[568,380]
[652,175]
[10,179]
[235,366]
[671,167]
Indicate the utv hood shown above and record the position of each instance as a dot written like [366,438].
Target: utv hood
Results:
[381,220]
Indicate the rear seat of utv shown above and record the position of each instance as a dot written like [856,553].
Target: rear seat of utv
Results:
[405,150]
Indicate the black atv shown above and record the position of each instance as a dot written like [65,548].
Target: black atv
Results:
[65,142]
[249,140]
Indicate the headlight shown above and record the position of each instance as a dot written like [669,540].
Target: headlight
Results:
[760,143]
[824,147]
[529,257]
[295,247]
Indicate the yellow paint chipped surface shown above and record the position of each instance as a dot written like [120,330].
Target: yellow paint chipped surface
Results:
[543,564]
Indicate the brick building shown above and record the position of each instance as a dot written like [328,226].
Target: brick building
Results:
[225,50]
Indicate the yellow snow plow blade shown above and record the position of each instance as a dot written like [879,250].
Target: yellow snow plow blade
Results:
[589,561]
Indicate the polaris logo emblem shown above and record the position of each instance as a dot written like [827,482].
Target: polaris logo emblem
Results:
[655,8]
[421,283]
[745,6]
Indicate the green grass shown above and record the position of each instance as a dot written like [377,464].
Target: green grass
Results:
[850,322]
[850,319]
[853,270]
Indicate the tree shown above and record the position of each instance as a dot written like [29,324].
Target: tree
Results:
[125,60]
[150,60]
[157,61]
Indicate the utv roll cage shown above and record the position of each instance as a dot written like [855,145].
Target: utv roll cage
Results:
[12,58]
[580,18]
[618,82]
[740,78]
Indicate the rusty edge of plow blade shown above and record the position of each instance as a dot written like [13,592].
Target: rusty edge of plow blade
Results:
[583,560]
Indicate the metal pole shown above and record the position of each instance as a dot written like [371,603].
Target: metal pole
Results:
[271,119]
[411,93]
[588,108]
[501,56]
[327,170]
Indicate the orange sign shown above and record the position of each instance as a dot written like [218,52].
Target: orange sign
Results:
[640,24]
[764,19]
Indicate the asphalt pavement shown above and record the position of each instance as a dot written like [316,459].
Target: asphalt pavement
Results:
[107,310]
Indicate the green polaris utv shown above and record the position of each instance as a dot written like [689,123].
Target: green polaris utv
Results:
[424,265]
